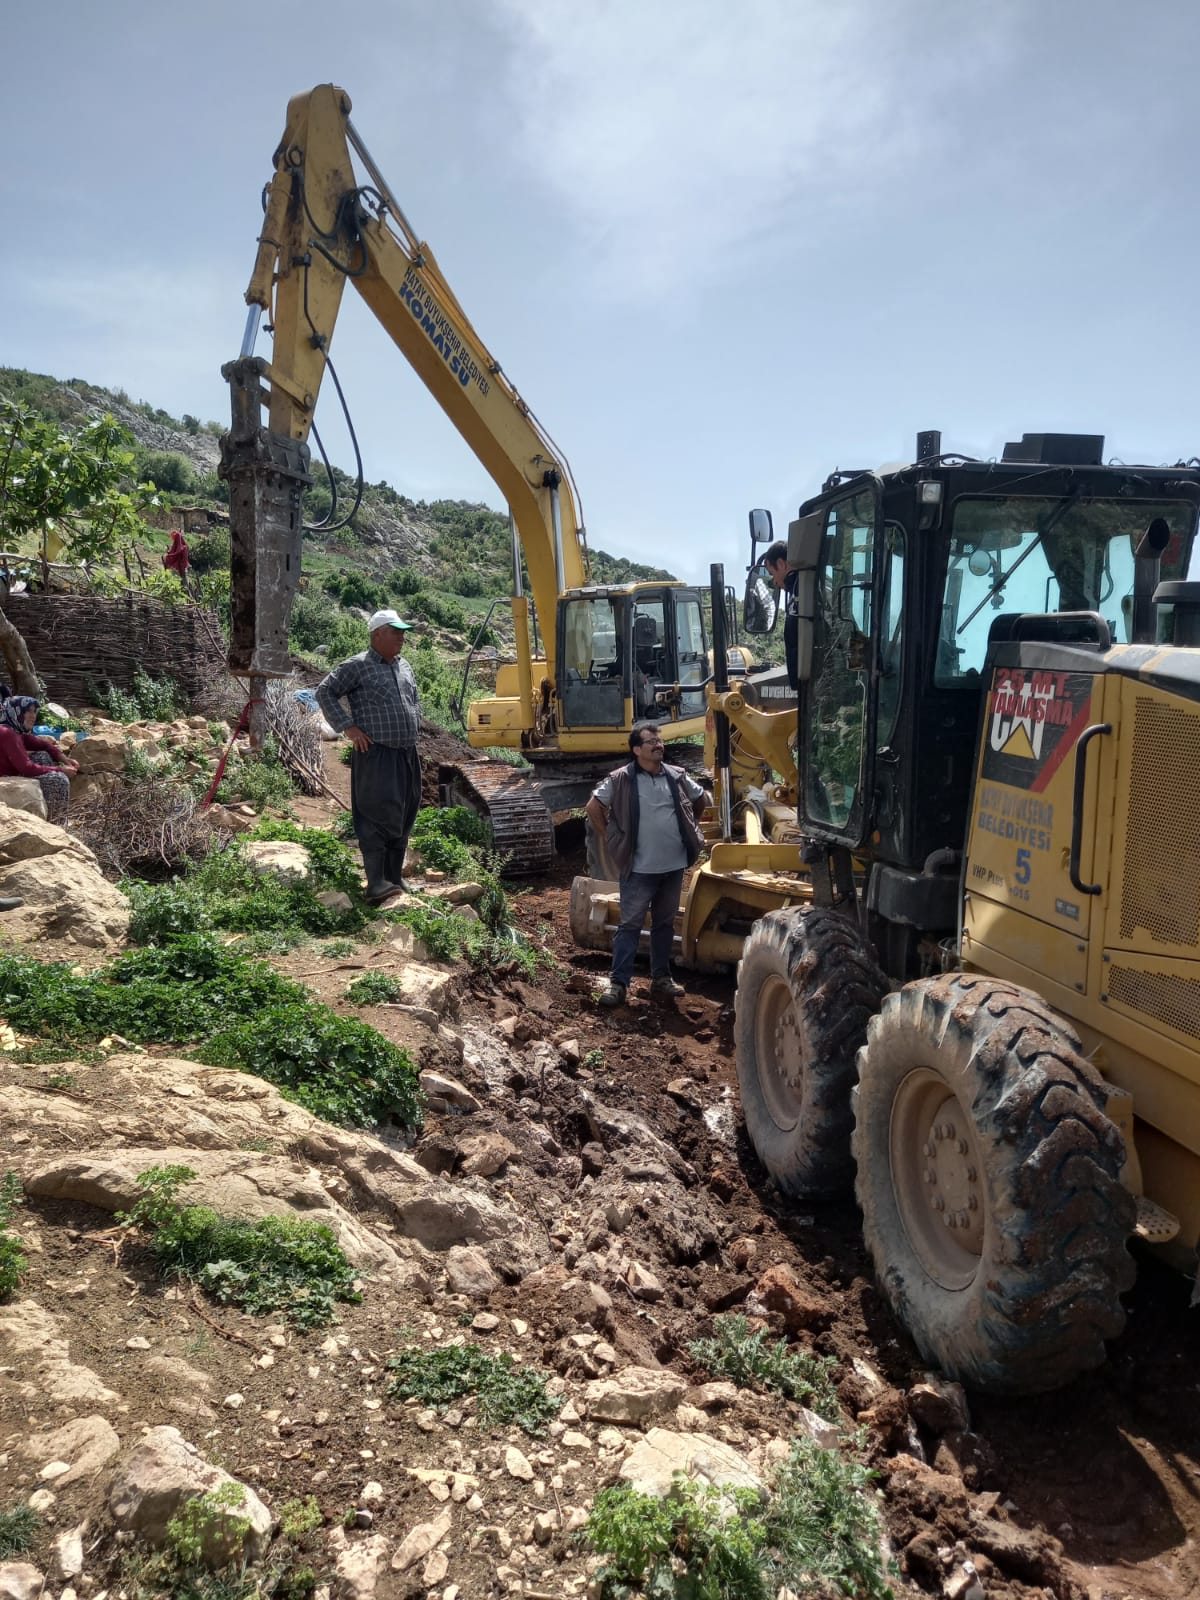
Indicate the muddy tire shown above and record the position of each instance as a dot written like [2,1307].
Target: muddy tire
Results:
[988,1181]
[806,989]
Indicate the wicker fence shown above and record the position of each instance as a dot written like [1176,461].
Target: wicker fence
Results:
[79,641]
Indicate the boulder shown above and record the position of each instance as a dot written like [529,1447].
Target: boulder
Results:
[633,1395]
[781,1291]
[469,1272]
[278,858]
[23,794]
[445,1093]
[483,1154]
[66,895]
[162,1473]
[357,1565]
[651,1465]
[100,752]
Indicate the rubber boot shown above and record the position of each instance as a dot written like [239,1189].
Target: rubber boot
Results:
[379,885]
[11,902]
[394,867]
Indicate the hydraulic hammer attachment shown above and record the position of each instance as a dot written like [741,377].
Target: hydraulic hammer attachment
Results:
[267,475]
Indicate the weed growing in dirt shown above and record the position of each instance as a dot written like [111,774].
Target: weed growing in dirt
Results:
[299,1518]
[253,1020]
[749,1359]
[506,1393]
[17,1527]
[375,988]
[12,1252]
[260,779]
[594,1061]
[342,826]
[149,700]
[335,949]
[275,1265]
[823,1523]
[699,1542]
[208,1522]
[451,938]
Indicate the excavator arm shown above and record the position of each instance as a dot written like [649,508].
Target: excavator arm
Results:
[321,230]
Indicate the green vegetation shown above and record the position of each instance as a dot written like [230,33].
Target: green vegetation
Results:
[275,1265]
[450,838]
[17,1527]
[505,1392]
[149,700]
[713,1535]
[225,891]
[751,1359]
[818,1530]
[253,1020]
[12,1252]
[299,1518]
[375,988]
[258,778]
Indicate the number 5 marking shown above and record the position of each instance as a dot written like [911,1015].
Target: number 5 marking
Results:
[1024,866]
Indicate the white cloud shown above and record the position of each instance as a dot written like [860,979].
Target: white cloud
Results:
[676,133]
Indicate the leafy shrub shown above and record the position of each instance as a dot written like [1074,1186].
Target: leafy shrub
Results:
[17,1527]
[404,581]
[823,1524]
[439,609]
[259,779]
[356,589]
[336,1067]
[168,471]
[210,552]
[447,837]
[437,683]
[12,1253]
[272,1265]
[312,622]
[700,1541]
[149,700]
[375,988]
[506,1393]
[749,1358]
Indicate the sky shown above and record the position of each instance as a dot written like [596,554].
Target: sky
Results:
[722,249]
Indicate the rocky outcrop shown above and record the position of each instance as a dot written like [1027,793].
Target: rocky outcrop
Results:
[66,895]
[162,1473]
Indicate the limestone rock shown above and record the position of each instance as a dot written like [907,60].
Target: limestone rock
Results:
[425,988]
[66,895]
[20,1580]
[469,1272]
[486,1153]
[357,1566]
[68,1553]
[633,1395]
[652,1463]
[278,858]
[85,1443]
[419,1541]
[462,894]
[516,1464]
[23,794]
[37,1360]
[445,1093]
[100,752]
[643,1282]
[163,1472]
[407,945]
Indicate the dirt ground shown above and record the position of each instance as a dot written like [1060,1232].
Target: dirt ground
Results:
[1101,1480]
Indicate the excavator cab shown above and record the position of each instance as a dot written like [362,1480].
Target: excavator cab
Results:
[630,654]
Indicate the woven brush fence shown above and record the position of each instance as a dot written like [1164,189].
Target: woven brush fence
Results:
[81,641]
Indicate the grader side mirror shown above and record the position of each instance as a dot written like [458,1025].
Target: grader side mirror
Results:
[760,607]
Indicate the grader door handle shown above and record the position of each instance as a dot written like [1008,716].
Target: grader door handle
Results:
[1085,738]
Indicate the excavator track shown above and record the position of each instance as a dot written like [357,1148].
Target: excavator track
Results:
[521,824]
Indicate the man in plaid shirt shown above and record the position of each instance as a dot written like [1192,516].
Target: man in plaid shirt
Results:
[385,772]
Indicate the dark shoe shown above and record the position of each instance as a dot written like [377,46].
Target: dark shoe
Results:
[612,997]
[379,884]
[11,902]
[666,985]
[376,896]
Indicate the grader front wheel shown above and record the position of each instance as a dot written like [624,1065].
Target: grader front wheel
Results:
[988,1181]
[806,987]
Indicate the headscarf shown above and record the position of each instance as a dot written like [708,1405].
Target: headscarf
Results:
[12,711]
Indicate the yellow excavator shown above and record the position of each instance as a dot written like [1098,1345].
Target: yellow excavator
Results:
[613,654]
[970,985]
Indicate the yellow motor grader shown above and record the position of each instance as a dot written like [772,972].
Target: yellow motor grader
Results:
[970,982]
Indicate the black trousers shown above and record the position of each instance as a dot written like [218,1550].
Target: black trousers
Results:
[385,796]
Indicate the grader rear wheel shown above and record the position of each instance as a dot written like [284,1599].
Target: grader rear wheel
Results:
[988,1181]
[806,987]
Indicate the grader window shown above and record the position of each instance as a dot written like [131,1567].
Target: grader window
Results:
[1001,562]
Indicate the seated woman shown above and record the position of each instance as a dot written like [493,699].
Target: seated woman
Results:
[24,755]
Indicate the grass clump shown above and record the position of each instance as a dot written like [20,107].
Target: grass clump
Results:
[272,1266]
[699,1542]
[258,779]
[12,1251]
[17,1527]
[824,1522]
[375,988]
[506,1393]
[452,938]
[750,1359]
